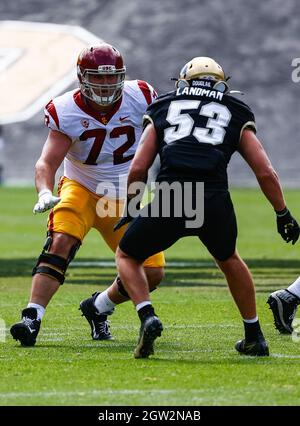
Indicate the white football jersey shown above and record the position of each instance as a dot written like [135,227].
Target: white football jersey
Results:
[103,145]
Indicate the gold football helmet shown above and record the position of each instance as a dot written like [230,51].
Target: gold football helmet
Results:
[200,67]
[203,67]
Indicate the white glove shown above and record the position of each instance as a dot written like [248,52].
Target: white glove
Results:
[46,201]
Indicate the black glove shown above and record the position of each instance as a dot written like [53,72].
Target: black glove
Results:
[287,226]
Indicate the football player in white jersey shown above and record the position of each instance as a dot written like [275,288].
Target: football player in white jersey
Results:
[95,131]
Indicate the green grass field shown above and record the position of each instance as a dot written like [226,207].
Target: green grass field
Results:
[195,362]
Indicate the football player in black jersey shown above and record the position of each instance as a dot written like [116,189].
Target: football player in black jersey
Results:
[195,129]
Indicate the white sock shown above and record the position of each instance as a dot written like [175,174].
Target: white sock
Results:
[295,287]
[40,309]
[251,321]
[103,302]
[142,304]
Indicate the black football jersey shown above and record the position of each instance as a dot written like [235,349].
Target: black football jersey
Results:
[198,130]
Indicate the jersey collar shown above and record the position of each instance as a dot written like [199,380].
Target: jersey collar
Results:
[102,118]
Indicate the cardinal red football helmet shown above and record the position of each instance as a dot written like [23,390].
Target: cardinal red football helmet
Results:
[101,73]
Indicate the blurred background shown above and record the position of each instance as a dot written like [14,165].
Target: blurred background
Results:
[255,42]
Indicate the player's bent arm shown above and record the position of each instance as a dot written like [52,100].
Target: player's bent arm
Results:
[144,156]
[254,154]
[53,153]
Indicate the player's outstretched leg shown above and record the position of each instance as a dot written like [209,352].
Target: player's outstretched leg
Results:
[241,285]
[48,274]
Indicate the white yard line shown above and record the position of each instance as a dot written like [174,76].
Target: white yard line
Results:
[284,356]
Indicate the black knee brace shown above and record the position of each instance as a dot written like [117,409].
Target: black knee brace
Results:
[122,289]
[60,264]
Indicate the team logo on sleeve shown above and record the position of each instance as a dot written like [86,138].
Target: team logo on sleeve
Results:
[85,123]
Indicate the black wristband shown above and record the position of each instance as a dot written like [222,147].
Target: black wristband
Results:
[280,213]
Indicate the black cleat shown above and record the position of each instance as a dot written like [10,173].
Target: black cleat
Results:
[27,330]
[98,322]
[150,329]
[258,347]
[284,306]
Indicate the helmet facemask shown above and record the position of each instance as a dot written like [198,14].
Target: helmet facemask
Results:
[106,93]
